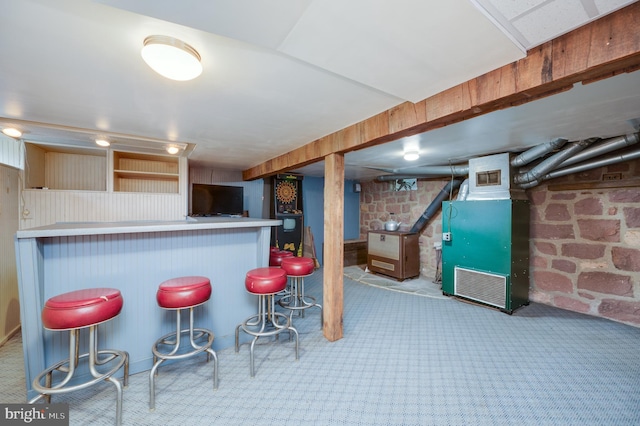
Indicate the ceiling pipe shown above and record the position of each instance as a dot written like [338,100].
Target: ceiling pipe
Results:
[605,147]
[632,155]
[537,151]
[531,177]
[425,172]
[436,204]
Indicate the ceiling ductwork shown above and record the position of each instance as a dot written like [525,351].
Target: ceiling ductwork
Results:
[555,165]
[537,151]
[531,178]
[424,172]
[593,164]
[604,147]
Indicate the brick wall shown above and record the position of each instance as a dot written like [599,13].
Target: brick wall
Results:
[585,238]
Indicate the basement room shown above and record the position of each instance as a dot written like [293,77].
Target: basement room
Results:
[320,212]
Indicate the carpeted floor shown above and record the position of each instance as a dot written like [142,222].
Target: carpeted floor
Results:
[403,360]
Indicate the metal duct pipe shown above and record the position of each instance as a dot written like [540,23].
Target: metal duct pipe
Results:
[435,205]
[425,172]
[606,146]
[632,155]
[537,152]
[463,192]
[531,177]
[387,178]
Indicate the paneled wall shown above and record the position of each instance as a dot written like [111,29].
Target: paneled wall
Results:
[11,152]
[45,207]
[74,172]
[9,298]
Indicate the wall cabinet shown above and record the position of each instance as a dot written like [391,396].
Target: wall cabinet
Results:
[71,184]
[87,170]
[64,169]
[134,172]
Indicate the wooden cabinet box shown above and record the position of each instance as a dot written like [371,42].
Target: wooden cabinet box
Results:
[395,254]
[355,252]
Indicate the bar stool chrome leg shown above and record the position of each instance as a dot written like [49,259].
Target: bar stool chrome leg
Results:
[174,339]
[297,268]
[265,283]
[69,366]
[267,322]
[73,311]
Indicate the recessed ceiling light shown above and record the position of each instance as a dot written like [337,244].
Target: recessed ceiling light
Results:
[102,142]
[171,58]
[11,132]
[172,149]
[411,155]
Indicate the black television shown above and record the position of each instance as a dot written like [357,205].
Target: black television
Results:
[216,200]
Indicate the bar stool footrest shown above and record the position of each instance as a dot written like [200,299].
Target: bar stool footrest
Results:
[199,333]
[61,388]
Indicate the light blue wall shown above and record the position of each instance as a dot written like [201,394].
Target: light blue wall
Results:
[313,208]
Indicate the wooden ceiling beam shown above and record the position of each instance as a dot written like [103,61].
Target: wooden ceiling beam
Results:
[600,49]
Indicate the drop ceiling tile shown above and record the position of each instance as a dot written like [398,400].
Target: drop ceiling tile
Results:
[607,6]
[261,23]
[550,20]
[405,48]
[511,9]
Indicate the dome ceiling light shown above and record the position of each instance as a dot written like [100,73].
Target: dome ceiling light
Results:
[173,149]
[12,132]
[411,155]
[171,58]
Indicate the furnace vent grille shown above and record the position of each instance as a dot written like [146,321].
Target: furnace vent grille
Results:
[481,286]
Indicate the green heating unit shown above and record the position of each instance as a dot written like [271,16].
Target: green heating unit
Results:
[485,247]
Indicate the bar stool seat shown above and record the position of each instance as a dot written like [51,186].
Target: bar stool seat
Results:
[177,294]
[295,300]
[73,311]
[276,256]
[265,283]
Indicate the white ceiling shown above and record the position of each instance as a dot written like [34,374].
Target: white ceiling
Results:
[280,74]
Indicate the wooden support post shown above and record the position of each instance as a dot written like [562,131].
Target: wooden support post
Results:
[333,303]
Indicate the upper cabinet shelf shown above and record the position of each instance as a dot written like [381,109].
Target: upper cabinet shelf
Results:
[134,172]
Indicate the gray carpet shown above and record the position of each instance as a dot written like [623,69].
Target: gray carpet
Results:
[404,360]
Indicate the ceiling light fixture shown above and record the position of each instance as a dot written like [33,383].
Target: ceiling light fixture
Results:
[11,132]
[171,58]
[172,149]
[103,142]
[411,155]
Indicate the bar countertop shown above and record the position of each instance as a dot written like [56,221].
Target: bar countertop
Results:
[101,228]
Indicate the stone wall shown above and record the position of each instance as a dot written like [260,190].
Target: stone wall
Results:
[585,237]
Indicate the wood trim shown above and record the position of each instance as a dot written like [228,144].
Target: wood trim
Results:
[600,49]
[333,292]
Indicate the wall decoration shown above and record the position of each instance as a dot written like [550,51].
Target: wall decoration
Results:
[406,185]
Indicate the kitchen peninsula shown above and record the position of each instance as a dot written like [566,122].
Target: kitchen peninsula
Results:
[135,257]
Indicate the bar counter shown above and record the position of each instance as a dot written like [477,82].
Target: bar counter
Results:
[135,257]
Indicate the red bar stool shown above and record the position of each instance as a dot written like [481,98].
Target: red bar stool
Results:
[295,300]
[177,294]
[74,311]
[265,283]
[276,256]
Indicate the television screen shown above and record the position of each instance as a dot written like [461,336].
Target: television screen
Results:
[213,200]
